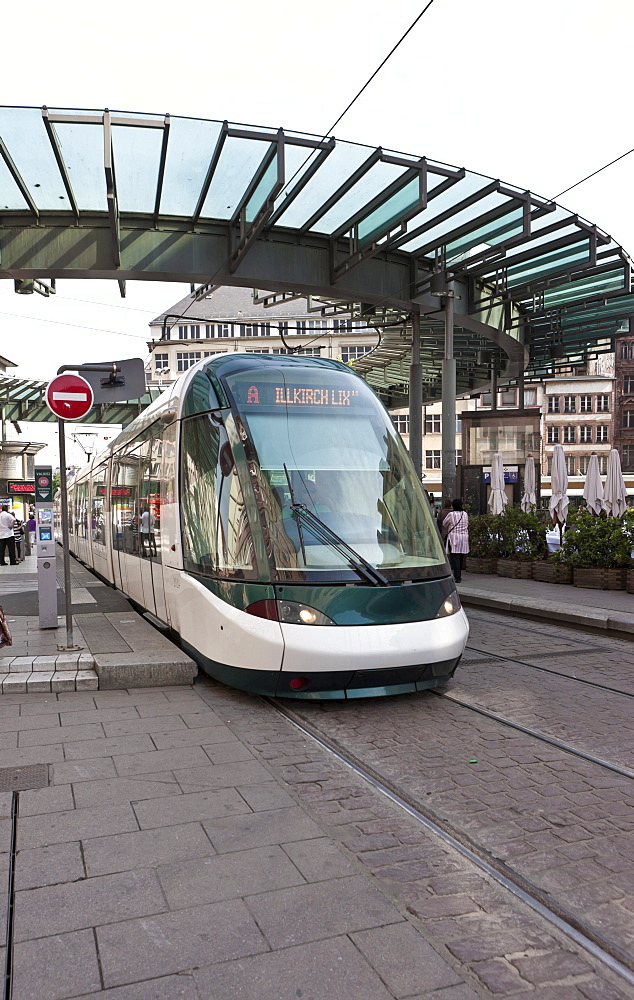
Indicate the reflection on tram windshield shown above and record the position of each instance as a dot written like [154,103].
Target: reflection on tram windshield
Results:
[347,464]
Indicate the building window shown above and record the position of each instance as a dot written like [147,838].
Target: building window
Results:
[459,424]
[628,386]
[569,435]
[628,458]
[458,456]
[553,404]
[349,352]
[160,362]
[342,325]
[550,466]
[603,464]
[314,351]
[432,423]
[185,359]
[628,418]
[222,330]
[624,351]
[432,459]
[166,334]
[183,333]
[317,324]
[603,404]
[210,331]
[585,434]
[485,399]
[585,404]
[530,397]
[194,332]
[508,397]
[553,435]
[584,461]
[209,354]
[401,422]
[570,465]
[569,404]
[602,433]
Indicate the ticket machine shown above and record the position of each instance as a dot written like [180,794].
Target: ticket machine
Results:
[45,539]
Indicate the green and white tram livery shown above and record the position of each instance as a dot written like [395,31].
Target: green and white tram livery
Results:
[266,511]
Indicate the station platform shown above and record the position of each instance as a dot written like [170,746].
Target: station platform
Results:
[606,610]
[118,648]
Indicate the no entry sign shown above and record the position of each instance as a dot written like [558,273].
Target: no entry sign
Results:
[69,397]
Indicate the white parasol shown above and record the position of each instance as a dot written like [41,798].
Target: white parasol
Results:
[593,490]
[529,496]
[614,494]
[558,505]
[498,499]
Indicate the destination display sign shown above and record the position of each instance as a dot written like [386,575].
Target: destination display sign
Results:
[44,485]
[20,486]
[314,397]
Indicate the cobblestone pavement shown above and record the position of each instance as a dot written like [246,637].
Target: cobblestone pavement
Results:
[193,844]
[563,823]
[599,659]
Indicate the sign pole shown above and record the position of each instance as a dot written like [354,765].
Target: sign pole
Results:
[65,535]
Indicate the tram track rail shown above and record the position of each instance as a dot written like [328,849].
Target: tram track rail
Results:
[576,929]
[587,937]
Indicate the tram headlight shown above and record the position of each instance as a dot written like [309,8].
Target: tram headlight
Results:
[450,605]
[294,613]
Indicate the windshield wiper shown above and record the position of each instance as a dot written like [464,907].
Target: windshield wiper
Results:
[322,531]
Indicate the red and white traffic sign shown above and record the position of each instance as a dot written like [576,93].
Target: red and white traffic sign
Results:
[69,397]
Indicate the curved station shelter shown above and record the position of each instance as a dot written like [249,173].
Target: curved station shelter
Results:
[469,280]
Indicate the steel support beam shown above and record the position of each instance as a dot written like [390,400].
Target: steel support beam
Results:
[416,400]
[449,400]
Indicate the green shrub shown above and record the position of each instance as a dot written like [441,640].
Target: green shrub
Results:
[522,535]
[484,536]
[599,541]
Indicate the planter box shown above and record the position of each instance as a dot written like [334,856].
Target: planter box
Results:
[550,572]
[629,585]
[515,569]
[600,579]
[476,564]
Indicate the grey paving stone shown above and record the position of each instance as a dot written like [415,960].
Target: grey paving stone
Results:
[146,849]
[76,824]
[319,860]
[174,942]
[89,903]
[48,866]
[189,808]
[202,736]
[329,970]
[269,796]
[109,747]
[16,723]
[159,760]
[127,727]
[8,741]
[57,967]
[228,753]
[276,826]
[320,910]
[119,790]
[84,716]
[249,772]
[181,987]
[39,737]
[83,770]
[406,963]
[227,876]
[195,709]
[21,756]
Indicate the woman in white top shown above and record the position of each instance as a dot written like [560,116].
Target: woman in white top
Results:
[455,531]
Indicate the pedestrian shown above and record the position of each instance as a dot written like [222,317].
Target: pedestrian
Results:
[30,527]
[455,531]
[147,532]
[441,514]
[18,534]
[7,538]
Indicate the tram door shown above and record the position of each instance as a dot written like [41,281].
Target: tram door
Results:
[150,555]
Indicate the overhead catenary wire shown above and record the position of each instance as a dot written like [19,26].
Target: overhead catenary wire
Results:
[326,135]
[593,174]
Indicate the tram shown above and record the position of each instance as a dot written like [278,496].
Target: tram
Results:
[265,511]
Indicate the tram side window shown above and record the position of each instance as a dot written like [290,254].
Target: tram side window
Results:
[98,498]
[71,513]
[81,510]
[123,501]
[150,499]
[216,535]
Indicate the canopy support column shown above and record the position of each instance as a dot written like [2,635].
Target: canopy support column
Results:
[449,400]
[416,400]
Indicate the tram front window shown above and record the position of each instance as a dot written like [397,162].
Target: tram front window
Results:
[323,440]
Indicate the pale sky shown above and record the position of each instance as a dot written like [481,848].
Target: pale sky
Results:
[536,93]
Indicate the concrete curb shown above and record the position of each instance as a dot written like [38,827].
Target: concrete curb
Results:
[599,618]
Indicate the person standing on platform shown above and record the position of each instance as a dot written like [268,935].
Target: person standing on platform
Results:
[7,538]
[30,527]
[147,532]
[18,534]
[455,531]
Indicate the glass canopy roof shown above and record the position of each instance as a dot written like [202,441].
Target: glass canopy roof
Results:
[569,283]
